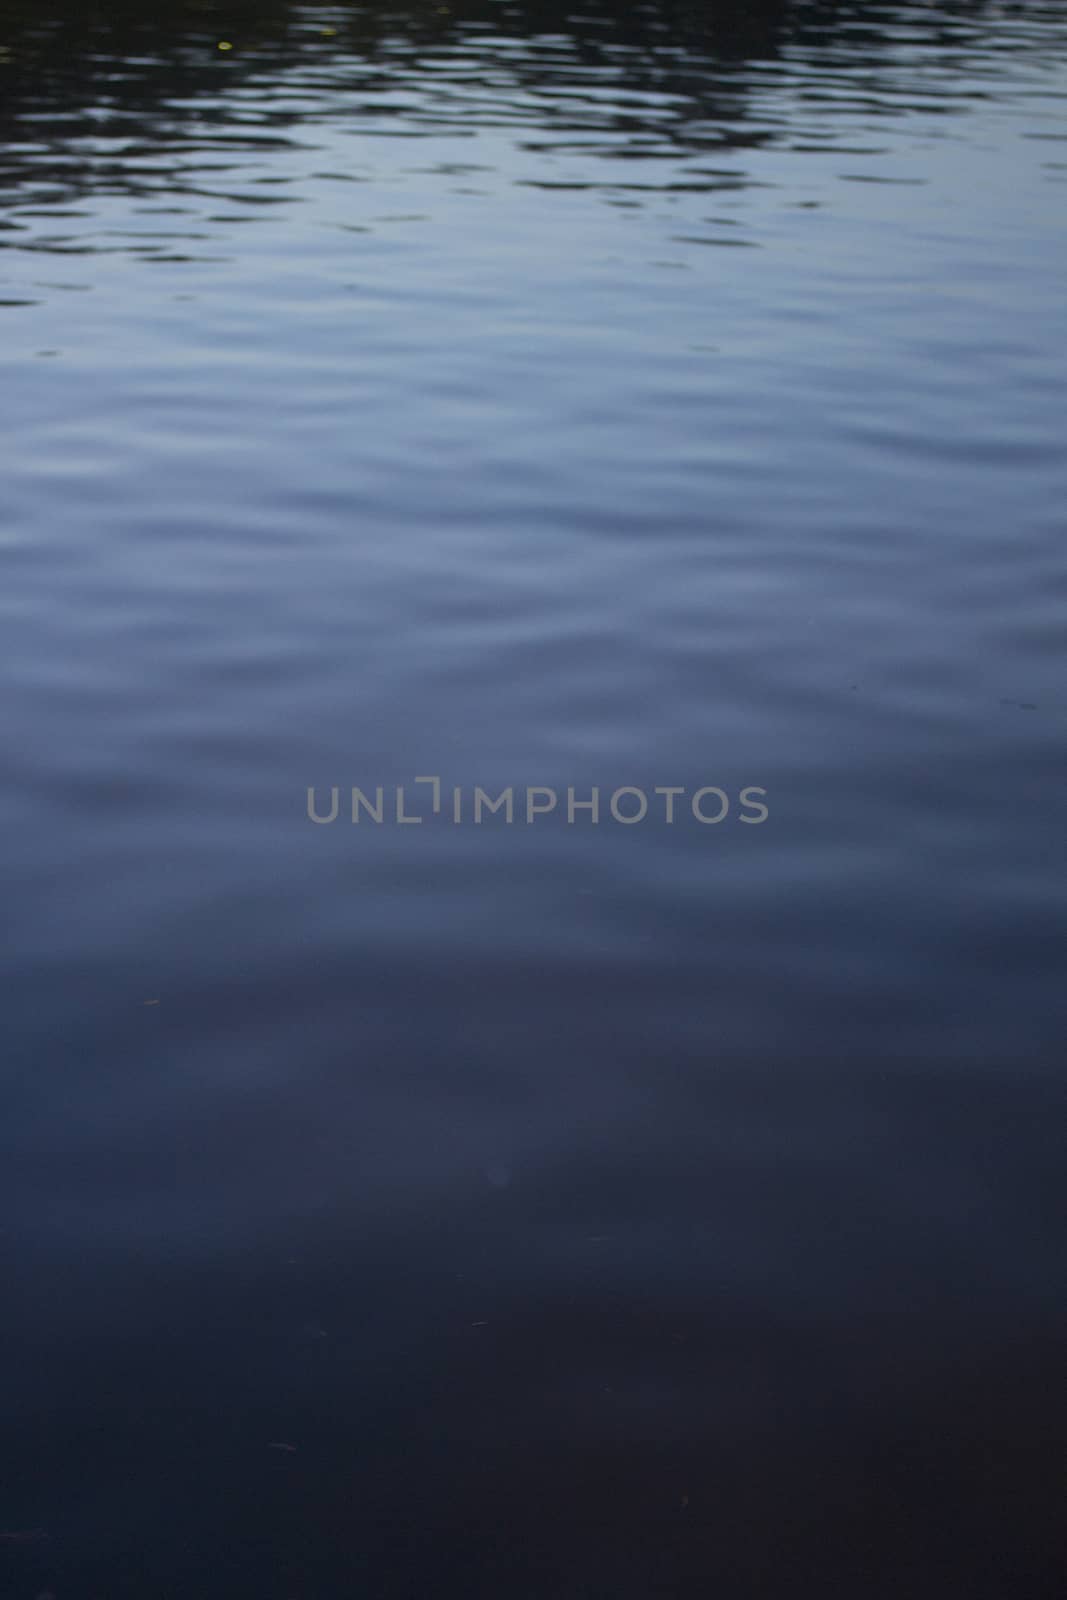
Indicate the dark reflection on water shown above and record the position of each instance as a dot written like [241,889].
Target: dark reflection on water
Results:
[668,395]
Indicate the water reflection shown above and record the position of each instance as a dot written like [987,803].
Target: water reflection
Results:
[629,102]
[653,395]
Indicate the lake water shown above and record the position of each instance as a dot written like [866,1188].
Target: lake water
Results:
[647,398]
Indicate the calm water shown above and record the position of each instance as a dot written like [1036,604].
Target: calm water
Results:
[552,1210]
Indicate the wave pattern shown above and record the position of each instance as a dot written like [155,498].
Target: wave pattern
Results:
[659,397]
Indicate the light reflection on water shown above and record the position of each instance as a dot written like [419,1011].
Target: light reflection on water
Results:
[651,397]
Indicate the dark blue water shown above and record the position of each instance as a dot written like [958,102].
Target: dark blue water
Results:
[642,398]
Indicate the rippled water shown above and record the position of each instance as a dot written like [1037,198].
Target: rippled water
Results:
[655,397]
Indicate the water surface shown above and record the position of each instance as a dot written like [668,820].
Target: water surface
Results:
[666,396]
